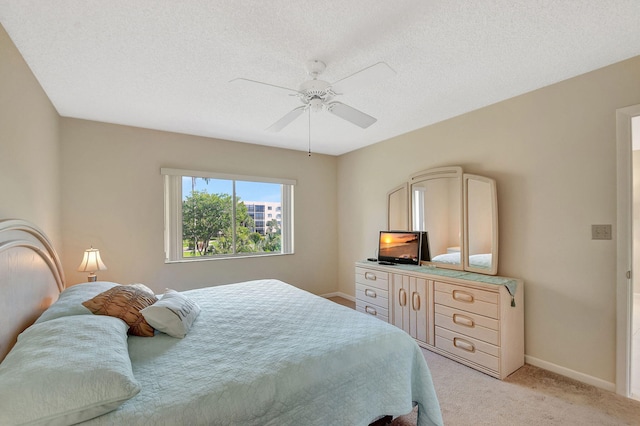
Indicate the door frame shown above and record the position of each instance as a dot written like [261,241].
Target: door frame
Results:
[624,246]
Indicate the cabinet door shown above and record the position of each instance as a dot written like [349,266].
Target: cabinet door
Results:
[400,295]
[417,307]
[410,305]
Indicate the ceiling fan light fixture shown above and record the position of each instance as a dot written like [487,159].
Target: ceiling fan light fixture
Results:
[316,104]
[315,89]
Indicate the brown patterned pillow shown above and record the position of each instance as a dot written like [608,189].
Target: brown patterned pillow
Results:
[124,302]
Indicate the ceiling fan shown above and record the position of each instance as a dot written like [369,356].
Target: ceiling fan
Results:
[317,95]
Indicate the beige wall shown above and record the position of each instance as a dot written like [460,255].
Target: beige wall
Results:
[113,198]
[553,154]
[29,149]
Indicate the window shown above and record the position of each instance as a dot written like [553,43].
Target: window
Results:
[212,216]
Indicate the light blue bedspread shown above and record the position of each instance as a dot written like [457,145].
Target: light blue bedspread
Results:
[266,353]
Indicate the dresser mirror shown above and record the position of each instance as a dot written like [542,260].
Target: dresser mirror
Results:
[436,207]
[458,211]
[481,224]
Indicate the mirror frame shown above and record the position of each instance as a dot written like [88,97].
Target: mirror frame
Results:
[493,270]
[404,191]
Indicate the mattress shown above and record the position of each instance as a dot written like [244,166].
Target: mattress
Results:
[477,260]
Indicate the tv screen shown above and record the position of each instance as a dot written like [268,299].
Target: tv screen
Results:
[399,247]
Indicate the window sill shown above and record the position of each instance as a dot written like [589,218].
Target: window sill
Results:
[231,256]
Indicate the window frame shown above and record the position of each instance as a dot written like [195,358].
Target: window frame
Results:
[173,213]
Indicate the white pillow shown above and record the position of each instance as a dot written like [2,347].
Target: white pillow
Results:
[65,371]
[173,314]
[142,287]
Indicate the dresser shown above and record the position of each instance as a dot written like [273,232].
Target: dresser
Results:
[477,320]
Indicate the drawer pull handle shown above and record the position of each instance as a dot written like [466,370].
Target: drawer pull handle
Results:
[402,296]
[462,296]
[463,344]
[415,301]
[463,320]
[370,276]
[370,310]
[370,293]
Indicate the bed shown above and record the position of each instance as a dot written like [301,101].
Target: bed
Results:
[478,260]
[256,353]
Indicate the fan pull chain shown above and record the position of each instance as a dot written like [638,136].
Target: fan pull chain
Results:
[309,132]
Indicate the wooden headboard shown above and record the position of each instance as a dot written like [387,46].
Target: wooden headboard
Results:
[31,278]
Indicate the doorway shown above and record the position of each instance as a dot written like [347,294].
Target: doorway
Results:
[635,263]
[628,249]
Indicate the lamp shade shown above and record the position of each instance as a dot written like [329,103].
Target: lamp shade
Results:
[91,261]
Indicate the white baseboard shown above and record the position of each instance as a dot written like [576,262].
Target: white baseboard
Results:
[339,294]
[575,375]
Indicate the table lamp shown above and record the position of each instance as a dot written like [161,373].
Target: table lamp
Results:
[91,262]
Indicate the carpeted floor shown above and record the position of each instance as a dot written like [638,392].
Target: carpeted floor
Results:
[530,396]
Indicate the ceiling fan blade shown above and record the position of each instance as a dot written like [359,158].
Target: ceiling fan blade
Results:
[287,119]
[244,80]
[351,114]
[366,78]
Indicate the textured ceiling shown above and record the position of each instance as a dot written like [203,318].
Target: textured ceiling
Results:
[166,64]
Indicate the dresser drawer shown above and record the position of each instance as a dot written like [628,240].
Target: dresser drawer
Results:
[372,295]
[372,278]
[468,348]
[468,299]
[467,323]
[373,310]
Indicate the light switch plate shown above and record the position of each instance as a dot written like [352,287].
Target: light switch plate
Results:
[600,232]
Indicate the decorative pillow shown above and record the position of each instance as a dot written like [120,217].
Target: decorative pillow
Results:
[65,371]
[173,314]
[70,300]
[124,302]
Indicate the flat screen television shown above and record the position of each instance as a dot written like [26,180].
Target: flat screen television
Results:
[407,247]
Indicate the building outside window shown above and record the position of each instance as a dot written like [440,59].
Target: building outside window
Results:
[263,225]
